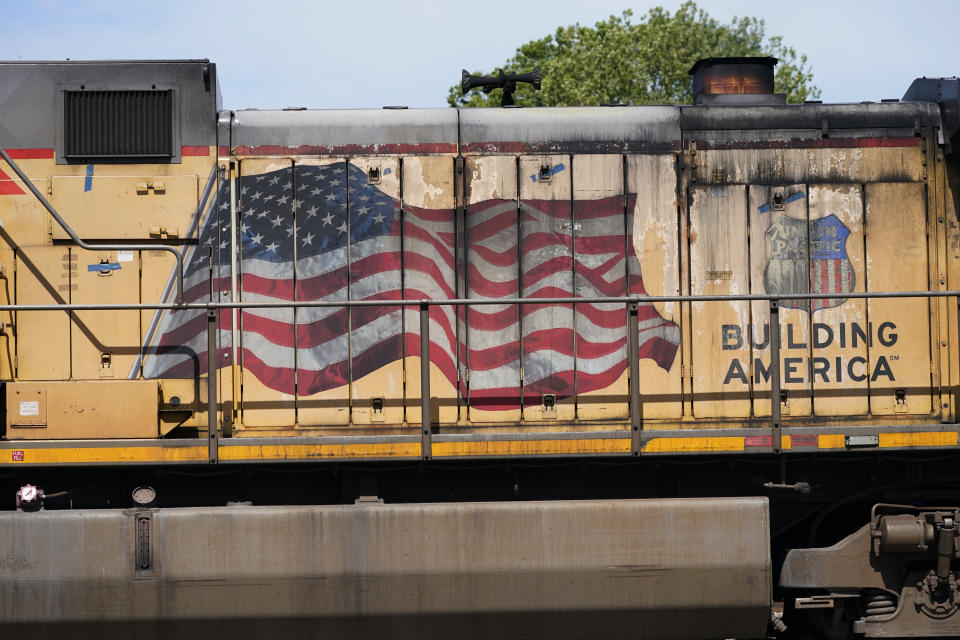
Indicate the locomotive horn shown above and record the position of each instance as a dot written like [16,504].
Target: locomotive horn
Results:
[506,81]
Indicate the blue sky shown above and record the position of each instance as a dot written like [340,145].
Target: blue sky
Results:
[278,53]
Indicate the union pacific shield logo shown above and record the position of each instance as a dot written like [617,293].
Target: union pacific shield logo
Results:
[827,270]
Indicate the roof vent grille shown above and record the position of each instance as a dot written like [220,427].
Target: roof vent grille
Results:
[104,125]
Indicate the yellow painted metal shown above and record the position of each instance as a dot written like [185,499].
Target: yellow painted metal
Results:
[428,183]
[843,390]
[82,409]
[387,382]
[579,446]
[599,177]
[27,406]
[896,252]
[240,452]
[892,225]
[25,222]
[231,379]
[43,337]
[33,454]
[797,166]
[190,406]
[919,439]
[124,207]
[155,269]
[718,266]
[492,178]
[949,246]
[694,444]
[104,344]
[831,441]
[8,346]
[652,228]
[332,406]
[266,331]
[546,351]
[770,226]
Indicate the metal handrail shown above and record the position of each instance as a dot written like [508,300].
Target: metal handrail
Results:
[631,303]
[110,247]
[440,302]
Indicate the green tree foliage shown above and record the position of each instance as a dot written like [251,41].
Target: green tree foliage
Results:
[618,61]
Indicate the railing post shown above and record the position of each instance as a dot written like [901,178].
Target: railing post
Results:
[775,434]
[633,359]
[212,357]
[425,426]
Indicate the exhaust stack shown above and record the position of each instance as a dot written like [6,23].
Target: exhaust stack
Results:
[735,81]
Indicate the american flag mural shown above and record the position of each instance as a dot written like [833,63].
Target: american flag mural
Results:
[325,232]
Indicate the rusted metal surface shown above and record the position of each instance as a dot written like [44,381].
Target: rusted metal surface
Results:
[345,132]
[599,569]
[570,130]
[742,79]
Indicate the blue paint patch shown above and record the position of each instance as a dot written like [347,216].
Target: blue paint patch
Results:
[88,183]
[553,171]
[104,267]
[386,171]
[793,197]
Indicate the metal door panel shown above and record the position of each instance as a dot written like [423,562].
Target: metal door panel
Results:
[43,337]
[653,267]
[492,347]
[546,270]
[429,264]
[267,339]
[840,368]
[896,257]
[124,207]
[323,352]
[600,270]
[719,266]
[104,344]
[780,263]
[376,333]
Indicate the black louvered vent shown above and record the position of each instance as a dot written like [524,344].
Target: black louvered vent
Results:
[118,124]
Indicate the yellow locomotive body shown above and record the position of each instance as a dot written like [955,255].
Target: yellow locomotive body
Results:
[701,207]
[185,285]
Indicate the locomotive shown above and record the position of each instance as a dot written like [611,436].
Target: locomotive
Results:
[646,371]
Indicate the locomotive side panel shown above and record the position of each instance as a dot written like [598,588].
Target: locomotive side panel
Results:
[719,266]
[429,271]
[840,207]
[321,332]
[267,343]
[546,271]
[113,183]
[778,253]
[654,268]
[838,216]
[897,260]
[492,271]
[600,269]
